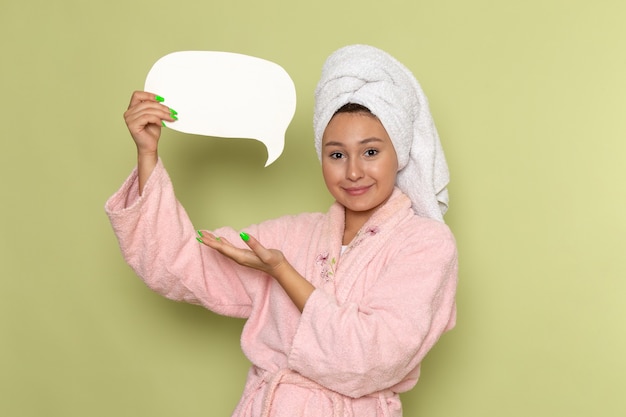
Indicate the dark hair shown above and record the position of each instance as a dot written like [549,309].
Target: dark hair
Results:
[353,108]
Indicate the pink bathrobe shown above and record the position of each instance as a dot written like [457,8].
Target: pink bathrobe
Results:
[377,309]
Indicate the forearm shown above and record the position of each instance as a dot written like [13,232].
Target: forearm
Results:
[156,238]
[295,285]
[146,162]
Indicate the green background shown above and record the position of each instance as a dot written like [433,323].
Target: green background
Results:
[529,98]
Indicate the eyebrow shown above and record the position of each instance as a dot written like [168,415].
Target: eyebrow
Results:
[363,142]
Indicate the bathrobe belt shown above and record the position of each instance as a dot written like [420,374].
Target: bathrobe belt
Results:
[341,403]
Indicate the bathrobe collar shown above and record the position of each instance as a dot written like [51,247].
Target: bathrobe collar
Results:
[344,269]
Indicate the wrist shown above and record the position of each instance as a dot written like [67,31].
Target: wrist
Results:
[146,162]
[147,158]
[283,271]
[147,154]
[295,285]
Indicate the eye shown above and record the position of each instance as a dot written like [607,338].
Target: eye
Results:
[336,155]
[371,152]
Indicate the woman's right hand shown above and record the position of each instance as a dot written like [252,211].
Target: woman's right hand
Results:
[144,118]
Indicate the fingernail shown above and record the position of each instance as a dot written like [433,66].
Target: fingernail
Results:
[199,240]
[217,238]
[159,99]
[163,123]
[244,236]
[174,117]
[199,233]
[173,112]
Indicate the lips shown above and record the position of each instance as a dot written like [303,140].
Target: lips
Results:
[356,191]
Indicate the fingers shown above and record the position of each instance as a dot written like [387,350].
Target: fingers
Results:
[257,256]
[270,258]
[144,113]
[148,107]
[144,119]
[140,96]
[256,246]
[223,246]
[220,244]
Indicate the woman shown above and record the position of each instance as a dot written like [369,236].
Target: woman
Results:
[341,307]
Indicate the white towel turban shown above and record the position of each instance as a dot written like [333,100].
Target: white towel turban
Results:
[370,77]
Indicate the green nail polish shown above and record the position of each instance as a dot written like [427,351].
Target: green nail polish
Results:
[217,238]
[173,112]
[199,233]
[199,240]
[244,236]
[159,99]
[163,123]
[174,117]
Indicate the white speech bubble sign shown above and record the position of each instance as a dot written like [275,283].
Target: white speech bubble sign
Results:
[227,95]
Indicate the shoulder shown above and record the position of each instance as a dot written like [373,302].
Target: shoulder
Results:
[430,228]
[424,234]
[410,225]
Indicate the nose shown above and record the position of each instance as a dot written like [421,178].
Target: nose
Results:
[354,169]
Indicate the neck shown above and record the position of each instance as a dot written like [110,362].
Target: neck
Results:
[354,223]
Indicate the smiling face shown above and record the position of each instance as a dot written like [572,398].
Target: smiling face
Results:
[359,164]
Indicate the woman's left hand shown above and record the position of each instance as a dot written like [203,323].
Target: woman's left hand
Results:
[270,261]
[258,257]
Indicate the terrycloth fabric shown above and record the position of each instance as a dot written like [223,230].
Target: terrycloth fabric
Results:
[377,309]
[370,77]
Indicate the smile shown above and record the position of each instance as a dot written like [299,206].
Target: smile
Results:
[356,191]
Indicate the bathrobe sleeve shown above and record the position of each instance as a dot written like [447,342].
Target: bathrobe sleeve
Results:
[158,241]
[376,343]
